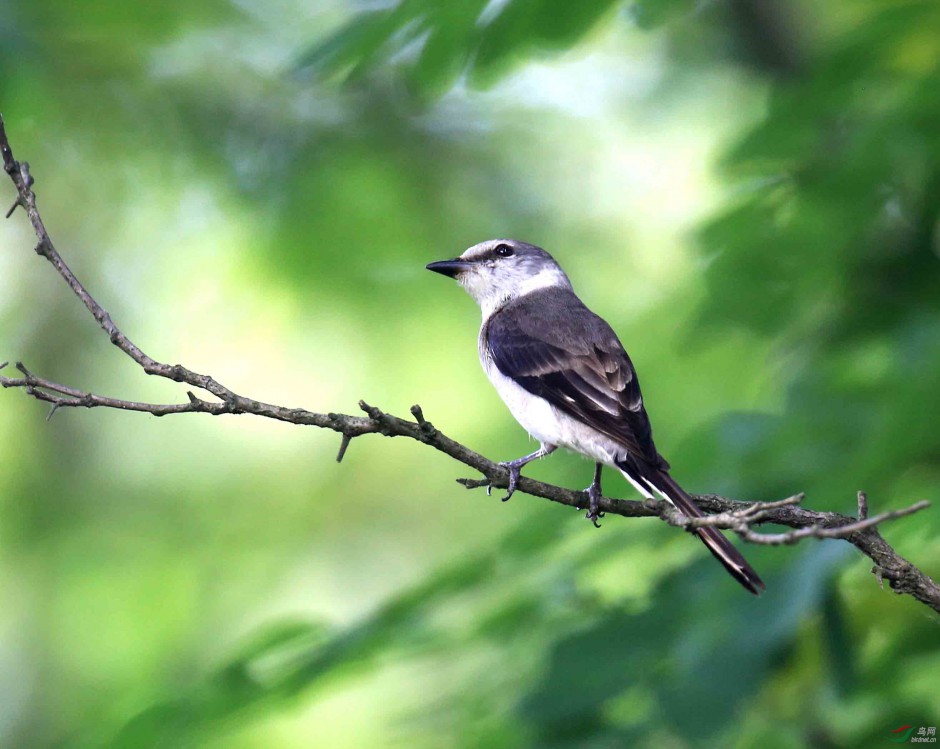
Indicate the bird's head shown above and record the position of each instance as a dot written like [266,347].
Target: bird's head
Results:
[499,270]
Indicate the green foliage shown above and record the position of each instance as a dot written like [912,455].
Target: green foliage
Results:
[223,583]
[454,38]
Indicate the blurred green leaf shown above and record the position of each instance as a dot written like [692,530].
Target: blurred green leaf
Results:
[702,649]
[453,37]
[272,229]
[531,27]
[650,14]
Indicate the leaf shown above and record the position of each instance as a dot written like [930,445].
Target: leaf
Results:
[703,648]
[525,27]
[650,14]
[449,48]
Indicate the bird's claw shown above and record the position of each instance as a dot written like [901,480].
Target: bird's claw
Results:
[594,502]
[515,472]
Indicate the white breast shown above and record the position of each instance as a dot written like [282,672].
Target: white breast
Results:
[545,422]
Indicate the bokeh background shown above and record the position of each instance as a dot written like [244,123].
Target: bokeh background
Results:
[748,191]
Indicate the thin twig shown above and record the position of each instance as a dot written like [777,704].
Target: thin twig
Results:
[726,513]
[742,520]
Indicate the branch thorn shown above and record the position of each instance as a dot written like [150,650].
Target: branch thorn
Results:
[343,445]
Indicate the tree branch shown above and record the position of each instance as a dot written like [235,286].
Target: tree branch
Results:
[861,532]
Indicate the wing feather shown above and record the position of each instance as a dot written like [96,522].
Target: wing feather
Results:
[557,349]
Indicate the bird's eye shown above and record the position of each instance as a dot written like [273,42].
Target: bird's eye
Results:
[503,250]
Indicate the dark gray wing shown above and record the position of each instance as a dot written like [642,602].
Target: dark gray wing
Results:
[556,348]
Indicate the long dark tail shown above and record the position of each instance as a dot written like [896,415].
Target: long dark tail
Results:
[717,544]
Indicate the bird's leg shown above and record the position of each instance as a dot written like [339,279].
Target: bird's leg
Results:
[515,466]
[594,496]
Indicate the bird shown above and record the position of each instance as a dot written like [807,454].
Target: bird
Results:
[567,379]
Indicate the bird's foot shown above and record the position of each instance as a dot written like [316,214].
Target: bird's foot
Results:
[594,504]
[515,472]
[594,496]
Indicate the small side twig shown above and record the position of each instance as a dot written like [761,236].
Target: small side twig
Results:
[741,522]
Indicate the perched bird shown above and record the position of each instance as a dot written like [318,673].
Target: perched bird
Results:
[567,379]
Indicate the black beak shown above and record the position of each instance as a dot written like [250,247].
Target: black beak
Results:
[450,267]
